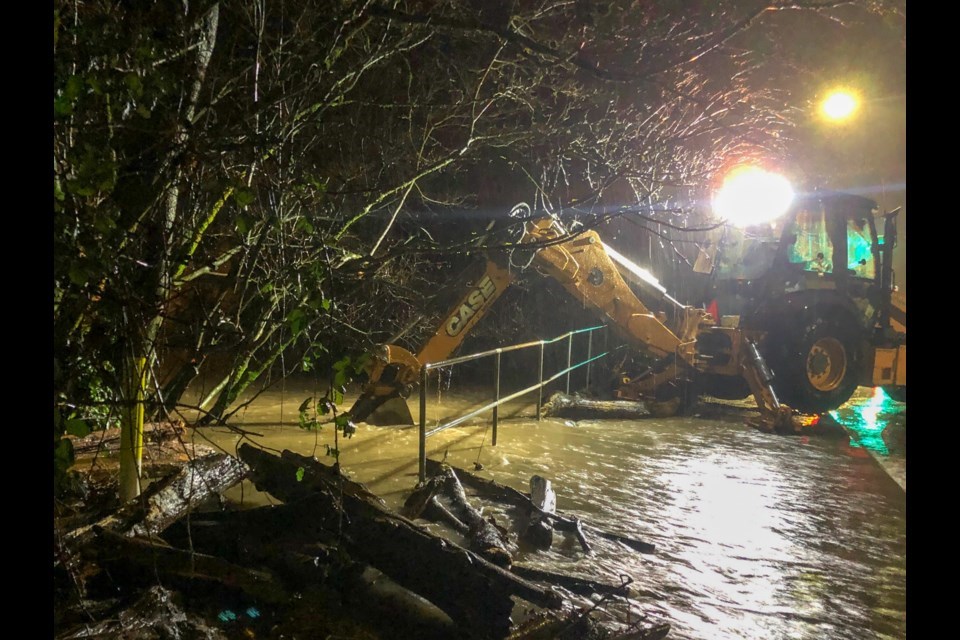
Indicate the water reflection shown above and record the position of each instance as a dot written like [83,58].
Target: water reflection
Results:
[867,420]
[758,535]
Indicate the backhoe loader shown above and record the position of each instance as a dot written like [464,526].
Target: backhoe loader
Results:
[821,332]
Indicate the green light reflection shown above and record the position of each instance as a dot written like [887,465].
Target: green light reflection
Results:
[865,422]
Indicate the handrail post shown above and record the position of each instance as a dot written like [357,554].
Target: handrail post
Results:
[423,425]
[496,390]
[589,355]
[569,358]
[540,390]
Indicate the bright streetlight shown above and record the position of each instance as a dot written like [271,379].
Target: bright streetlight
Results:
[839,105]
[751,196]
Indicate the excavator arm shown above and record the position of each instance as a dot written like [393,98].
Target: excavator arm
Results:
[593,273]
[394,370]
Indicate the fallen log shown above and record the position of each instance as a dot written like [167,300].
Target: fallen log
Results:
[270,537]
[485,538]
[152,557]
[165,501]
[474,592]
[575,407]
[423,503]
[439,513]
[517,498]
[108,440]
[420,497]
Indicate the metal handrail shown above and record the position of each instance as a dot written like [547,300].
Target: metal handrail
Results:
[515,347]
[426,368]
[512,396]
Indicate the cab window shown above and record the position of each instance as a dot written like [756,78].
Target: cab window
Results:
[812,247]
[859,255]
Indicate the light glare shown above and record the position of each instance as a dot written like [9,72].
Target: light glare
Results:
[751,196]
[839,105]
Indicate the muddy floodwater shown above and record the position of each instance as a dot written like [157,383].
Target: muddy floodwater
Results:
[757,535]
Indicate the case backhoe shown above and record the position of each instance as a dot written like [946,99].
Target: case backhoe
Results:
[824,333]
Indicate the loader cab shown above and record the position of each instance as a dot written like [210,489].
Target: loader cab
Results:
[827,244]
[828,241]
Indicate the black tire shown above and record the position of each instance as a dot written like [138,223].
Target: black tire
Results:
[817,366]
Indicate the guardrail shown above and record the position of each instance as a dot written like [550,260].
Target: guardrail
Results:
[427,368]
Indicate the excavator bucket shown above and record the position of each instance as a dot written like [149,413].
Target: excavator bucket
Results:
[393,412]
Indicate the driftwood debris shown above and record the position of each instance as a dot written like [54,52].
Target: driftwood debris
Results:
[575,407]
[165,501]
[485,538]
[152,557]
[561,522]
[423,502]
[307,560]
[472,591]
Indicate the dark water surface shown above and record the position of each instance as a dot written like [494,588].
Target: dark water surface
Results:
[758,535]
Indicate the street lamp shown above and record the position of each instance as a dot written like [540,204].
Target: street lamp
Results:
[839,105]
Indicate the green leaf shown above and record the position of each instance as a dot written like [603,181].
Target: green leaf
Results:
[63,455]
[77,427]
[143,111]
[297,320]
[62,106]
[300,473]
[303,225]
[242,224]
[104,224]
[325,304]
[362,363]
[134,83]
[243,197]
[337,396]
[71,91]
[77,274]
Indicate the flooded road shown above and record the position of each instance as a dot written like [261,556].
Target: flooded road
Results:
[758,535]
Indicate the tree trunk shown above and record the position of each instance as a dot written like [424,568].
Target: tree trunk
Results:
[166,501]
[575,407]
[133,381]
